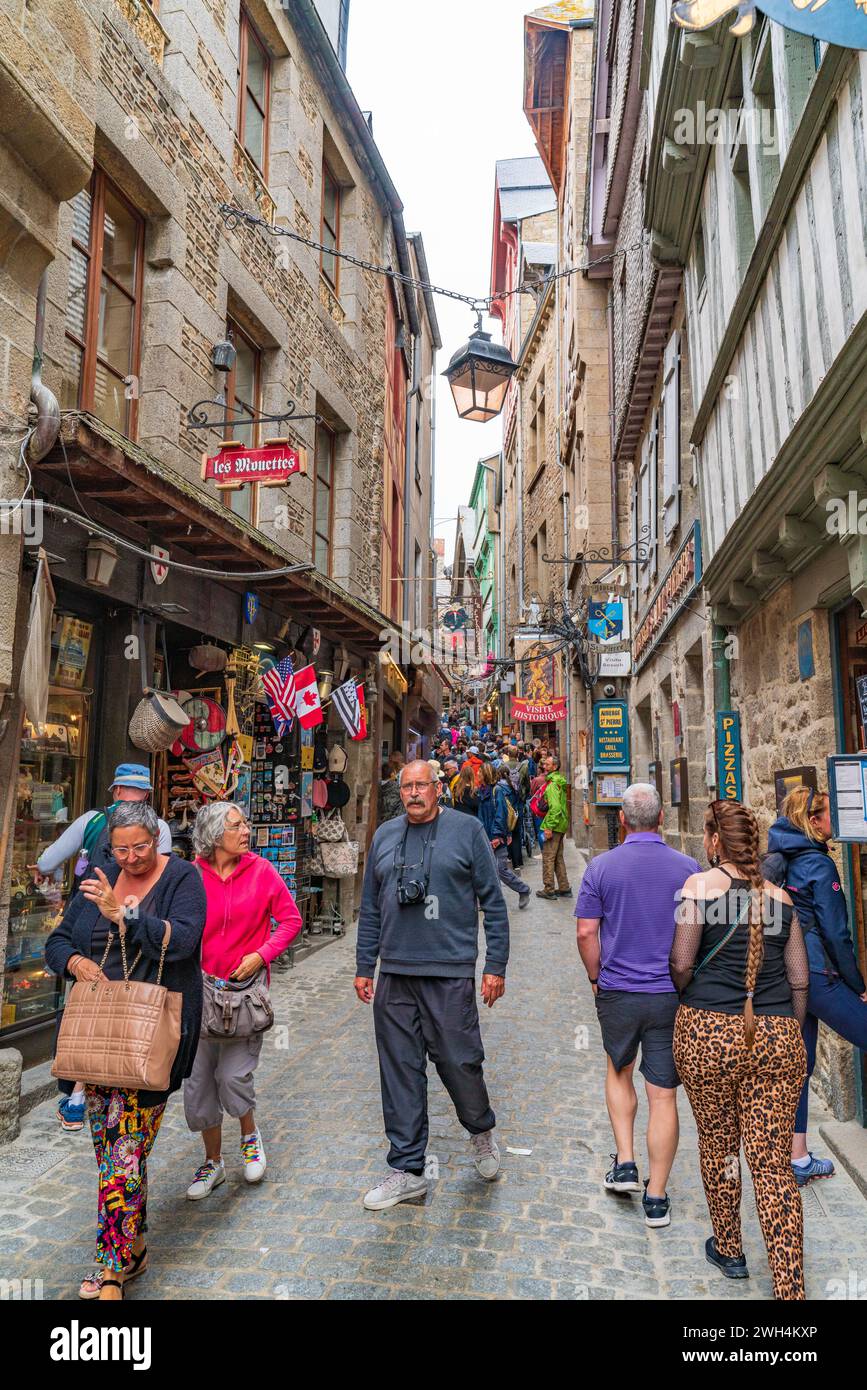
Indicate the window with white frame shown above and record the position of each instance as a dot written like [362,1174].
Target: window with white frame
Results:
[671,436]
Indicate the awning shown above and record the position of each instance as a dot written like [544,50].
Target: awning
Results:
[135,495]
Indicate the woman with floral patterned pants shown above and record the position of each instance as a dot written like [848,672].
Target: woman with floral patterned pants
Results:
[146,891]
[123,1134]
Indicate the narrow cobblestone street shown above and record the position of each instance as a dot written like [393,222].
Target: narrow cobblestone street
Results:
[546,1229]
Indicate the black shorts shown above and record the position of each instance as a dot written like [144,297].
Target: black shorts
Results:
[627,1019]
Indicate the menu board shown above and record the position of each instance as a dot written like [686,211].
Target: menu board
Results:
[847,789]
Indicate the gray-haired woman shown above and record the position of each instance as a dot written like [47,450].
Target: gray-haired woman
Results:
[143,890]
[245,893]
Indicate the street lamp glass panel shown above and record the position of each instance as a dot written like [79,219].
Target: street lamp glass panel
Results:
[479,376]
[481,396]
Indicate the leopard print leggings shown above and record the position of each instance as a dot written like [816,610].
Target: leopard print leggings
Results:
[751,1097]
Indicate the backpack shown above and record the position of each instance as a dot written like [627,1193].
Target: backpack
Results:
[539,803]
[511,816]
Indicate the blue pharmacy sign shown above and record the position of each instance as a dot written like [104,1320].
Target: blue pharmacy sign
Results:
[842,22]
[610,736]
[728,755]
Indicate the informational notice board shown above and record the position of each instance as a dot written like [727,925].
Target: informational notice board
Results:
[847,788]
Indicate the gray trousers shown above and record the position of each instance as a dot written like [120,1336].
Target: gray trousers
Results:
[416,1017]
[221,1081]
[506,872]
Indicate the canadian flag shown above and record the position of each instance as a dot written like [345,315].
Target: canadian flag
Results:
[308,706]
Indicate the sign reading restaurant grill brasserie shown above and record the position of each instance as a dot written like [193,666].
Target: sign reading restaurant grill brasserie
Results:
[234,464]
[684,575]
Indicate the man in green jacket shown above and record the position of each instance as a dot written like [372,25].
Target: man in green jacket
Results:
[554,827]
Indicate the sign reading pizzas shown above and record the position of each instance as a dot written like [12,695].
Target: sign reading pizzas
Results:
[234,464]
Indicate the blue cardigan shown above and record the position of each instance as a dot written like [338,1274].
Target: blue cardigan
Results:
[179,898]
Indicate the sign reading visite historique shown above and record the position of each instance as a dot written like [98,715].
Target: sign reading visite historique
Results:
[234,464]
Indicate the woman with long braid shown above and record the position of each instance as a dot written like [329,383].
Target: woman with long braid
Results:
[739,963]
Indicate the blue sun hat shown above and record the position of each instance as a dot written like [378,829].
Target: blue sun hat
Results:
[132,775]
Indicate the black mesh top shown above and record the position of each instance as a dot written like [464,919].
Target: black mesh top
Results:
[783,977]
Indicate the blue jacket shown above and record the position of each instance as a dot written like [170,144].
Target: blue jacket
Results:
[492,812]
[180,899]
[805,868]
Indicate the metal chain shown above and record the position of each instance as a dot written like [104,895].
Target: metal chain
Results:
[232,215]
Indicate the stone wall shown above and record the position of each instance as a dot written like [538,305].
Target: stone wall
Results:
[787,722]
[166,136]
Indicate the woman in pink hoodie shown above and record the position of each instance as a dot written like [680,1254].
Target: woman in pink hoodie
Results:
[245,893]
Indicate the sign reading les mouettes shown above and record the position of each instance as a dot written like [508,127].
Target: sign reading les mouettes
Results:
[234,464]
[679,584]
[728,755]
[610,736]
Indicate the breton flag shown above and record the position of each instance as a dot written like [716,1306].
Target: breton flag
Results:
[346,702]
[280,686]
[308,706]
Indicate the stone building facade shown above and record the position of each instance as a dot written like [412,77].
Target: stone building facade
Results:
[119,158]
[567,504]
[670,691]
[766,229]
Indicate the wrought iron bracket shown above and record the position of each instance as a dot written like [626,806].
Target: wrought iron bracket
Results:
[198,419]
[609,556]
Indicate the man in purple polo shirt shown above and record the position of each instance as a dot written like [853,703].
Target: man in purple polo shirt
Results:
[625,912]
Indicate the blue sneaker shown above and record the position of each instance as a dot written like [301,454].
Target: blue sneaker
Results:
[622,1177]
[816,1168]
[732,1266]
[657,1210]
[71,1116]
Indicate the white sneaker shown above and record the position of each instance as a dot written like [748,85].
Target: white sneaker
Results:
[253,1154]
[396,1187]
[486,1155]
[209,1176]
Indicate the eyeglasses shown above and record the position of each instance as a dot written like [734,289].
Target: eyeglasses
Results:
[124,851]
[415,786]
[237,825]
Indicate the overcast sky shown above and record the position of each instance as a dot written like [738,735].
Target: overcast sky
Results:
[444,83]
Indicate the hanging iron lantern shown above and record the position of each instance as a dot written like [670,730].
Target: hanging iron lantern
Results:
[479,376]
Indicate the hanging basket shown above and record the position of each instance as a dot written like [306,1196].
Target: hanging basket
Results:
[157,718]
[156,722]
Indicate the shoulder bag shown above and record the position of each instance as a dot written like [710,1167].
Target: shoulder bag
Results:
[236,1008]
[120,1033]
[329,827]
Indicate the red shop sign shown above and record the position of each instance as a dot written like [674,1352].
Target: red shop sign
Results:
[234,464]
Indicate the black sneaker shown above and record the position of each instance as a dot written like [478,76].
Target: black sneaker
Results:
[657,1210]
[622,1177]
[540,893]
[564,892]
[732,1266]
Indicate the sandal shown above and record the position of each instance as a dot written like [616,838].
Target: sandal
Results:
[136,1266]
[113,1284]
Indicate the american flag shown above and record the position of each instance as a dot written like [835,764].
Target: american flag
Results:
[279,686]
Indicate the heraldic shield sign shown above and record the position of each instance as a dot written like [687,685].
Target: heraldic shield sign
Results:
[842,22]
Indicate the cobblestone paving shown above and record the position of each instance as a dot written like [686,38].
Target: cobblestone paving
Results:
[546,1229]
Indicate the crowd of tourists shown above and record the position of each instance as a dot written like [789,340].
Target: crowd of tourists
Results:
[719,974]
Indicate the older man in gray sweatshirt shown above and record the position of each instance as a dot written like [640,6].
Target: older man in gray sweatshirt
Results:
[428,873]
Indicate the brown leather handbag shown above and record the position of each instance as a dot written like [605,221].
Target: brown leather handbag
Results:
[120,1033]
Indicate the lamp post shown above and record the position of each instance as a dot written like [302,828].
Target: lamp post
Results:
[479,375]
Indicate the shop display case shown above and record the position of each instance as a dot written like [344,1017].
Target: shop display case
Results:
[50,794]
